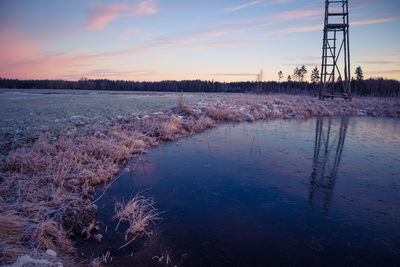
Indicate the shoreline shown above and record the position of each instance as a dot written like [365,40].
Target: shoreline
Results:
[47,187]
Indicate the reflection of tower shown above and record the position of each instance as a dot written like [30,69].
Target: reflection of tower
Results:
[335,68]
[324,171]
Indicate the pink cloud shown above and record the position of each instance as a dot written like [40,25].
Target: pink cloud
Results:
[107,73]
[298,29]
[393,74]
[42,67]
[50,66]
[233,74]
[373,21]
[378,62]
[225,43]
[296,14]
[128,34]
[102,14]
[15,47]
[396,72]
[278,18]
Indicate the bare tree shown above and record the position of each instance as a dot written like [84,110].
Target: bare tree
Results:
[260,76]
[259,80]
[296,73]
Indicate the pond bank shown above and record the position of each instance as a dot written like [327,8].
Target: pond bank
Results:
[47,188]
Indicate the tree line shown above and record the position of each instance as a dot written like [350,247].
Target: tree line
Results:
[294,84]
[359,86]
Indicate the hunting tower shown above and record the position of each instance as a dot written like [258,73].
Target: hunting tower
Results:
[335,68]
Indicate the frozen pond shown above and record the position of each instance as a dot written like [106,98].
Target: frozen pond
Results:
[325,191]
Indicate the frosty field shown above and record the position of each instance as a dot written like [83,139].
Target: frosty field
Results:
[25,114]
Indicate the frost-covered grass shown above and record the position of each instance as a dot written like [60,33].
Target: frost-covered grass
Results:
[47,185]
[25,114]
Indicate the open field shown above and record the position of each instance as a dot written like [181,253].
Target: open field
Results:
[72,142]
[25,114]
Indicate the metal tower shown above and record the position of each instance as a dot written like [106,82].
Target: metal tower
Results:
[328,148]
[335,68]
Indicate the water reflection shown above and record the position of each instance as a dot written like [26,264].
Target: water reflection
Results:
[328,148]
[241,195]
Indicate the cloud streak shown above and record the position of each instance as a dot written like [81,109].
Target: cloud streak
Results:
[228,42]
[373,21]
[236,8]
[320,26]
[301,13]
[387,73]
[109,73]
[234,74]
[297,29]
[378,62]
[100,15]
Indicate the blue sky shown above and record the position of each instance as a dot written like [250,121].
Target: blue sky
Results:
[209,40]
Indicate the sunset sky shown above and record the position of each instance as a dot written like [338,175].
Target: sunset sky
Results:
[152,40]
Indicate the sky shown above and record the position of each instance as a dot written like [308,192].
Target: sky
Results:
[153,40]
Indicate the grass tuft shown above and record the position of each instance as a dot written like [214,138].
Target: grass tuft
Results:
[51,235]
[138,213]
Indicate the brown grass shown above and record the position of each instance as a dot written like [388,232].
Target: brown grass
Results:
[54,179]
[11,236]
[11,228]
[181,105]
[9,253]
[170,129]
[50,235]
[99,261]
[138,213]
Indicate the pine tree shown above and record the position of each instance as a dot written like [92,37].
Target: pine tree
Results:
[359,74]
[315,76]
[280,75]
[302,73]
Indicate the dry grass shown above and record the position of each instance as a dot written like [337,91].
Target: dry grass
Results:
[181,104]
[54,180]
[259,107]
[99,261]
[170,129]
[138,213]
[50,235]
[50,183]
[8,253]
[11,236]
[12,228]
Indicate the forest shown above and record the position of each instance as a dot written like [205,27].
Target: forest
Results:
[360,87]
